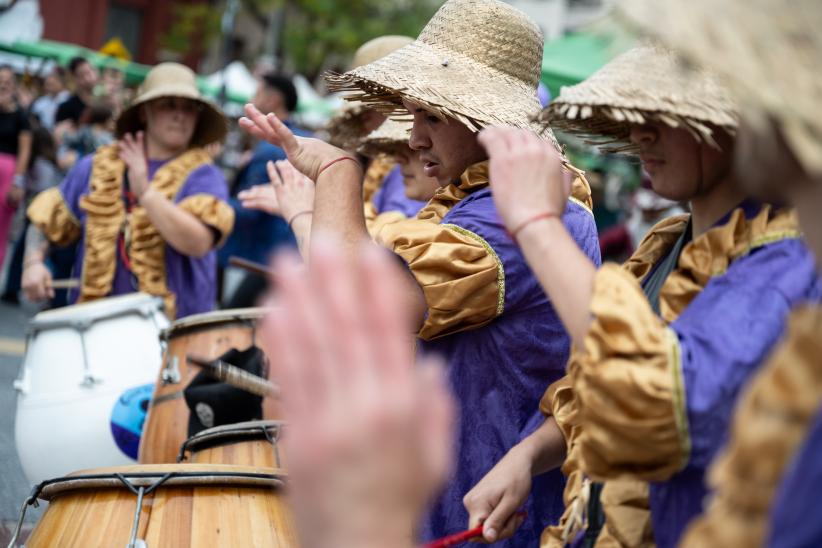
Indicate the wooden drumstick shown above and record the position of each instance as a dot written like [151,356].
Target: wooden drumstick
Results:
[251,266]
[236,377]
[67,283]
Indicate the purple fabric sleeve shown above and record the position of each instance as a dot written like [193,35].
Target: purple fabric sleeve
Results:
[391,196]
[75,185]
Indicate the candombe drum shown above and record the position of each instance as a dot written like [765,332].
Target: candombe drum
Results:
[85,382]
[251,443]
[208,336]
[179,505]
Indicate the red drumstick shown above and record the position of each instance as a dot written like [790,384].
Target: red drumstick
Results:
[465,536]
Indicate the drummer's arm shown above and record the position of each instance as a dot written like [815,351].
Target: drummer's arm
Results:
[36,278]
[179,228]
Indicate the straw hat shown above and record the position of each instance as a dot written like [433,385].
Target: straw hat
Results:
[644,84]
[174,80]
[387,139]
[477,61]
[768,50]
[346,128]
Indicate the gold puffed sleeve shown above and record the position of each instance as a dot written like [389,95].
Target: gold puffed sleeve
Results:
[212,211]
[461,276]
[771,421]
[628,381]
[52,216]
[376,224]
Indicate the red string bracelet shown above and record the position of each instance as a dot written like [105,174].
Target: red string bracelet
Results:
[533,219]
[332,162]
[294,217]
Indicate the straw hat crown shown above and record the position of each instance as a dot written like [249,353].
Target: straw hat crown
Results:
[174,80]
[768,51]
[477,61]
[647,83]
[386,139]
[493,34]
[377,48]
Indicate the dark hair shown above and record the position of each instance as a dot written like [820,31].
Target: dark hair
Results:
[98,112]
[58,72]
[42,144]
[284,85]
[75,63]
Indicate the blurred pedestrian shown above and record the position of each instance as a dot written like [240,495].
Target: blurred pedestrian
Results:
[95,129]
[84,79]
[54,94]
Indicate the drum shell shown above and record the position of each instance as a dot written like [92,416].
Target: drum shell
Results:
[64,407]
[223,514]
[207,336]
[243,444]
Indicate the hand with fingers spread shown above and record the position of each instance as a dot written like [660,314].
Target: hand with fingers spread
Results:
[307,154]
[133,153]
[526,175]
[262,198]
[295,191]
[370,433]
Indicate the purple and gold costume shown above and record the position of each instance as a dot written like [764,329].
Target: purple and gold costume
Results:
[89,207]
[651,397]
[391,196]
[490,319]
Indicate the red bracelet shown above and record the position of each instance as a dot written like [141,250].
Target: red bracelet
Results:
[294,217]
[332,162]
[533,219]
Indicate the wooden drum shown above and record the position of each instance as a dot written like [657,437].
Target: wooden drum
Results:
[208,336]
[252,443]
[178,505]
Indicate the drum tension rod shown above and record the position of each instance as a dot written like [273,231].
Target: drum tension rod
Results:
[140,492]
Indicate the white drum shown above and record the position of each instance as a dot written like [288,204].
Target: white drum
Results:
[85,383]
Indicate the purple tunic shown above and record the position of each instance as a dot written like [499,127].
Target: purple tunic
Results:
[500,371]
[795,519]
[725,334]
[192,279]
[391,196]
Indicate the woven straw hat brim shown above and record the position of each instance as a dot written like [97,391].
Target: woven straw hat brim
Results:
[768,52]
[445,83]
[642,85]
[391,137]
[212,125]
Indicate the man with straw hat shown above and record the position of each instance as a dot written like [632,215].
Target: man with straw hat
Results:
[769,476]
[476,63]
[147,211]
[664,343]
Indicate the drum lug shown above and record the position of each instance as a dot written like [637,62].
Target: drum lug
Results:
[89,381]
[21,385]
[171,372]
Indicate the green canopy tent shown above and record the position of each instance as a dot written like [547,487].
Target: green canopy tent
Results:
[573,58]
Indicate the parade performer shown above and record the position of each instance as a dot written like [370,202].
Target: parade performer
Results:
[148,211]
[473,298]
[768,478]
[664,344]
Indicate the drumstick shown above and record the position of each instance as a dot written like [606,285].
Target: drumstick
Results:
[236,377]
[68,283]
[251,266]
[465,536]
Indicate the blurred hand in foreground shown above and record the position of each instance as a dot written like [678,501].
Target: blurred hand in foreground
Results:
[369,438]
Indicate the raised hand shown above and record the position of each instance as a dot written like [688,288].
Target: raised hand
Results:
[261,197]
[295,191]
[370,433]
[307,154]
[526,175]
[132,152]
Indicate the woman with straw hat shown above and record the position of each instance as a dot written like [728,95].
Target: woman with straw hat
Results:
[147,211]
[476,63]
[663,344]
[769,477]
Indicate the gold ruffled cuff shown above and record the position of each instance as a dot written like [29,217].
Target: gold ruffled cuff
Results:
[629,384]
[376,224]
[461,276]
[771,421]
[52,216]
[211,211]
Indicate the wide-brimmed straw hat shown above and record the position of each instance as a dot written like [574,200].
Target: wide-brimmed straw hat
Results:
[477,61]
[346,128]
[644,84]
[769,52]
[174,80]
[390,137]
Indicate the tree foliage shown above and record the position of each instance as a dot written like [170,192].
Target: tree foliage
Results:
[316,33]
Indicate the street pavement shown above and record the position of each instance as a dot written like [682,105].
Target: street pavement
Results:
[13,485]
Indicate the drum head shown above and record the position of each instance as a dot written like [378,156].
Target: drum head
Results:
[100,309]
[209,320]
[232,433]
[179,475]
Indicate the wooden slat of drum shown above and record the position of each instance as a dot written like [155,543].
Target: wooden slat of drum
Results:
[171,519]
[281,515]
